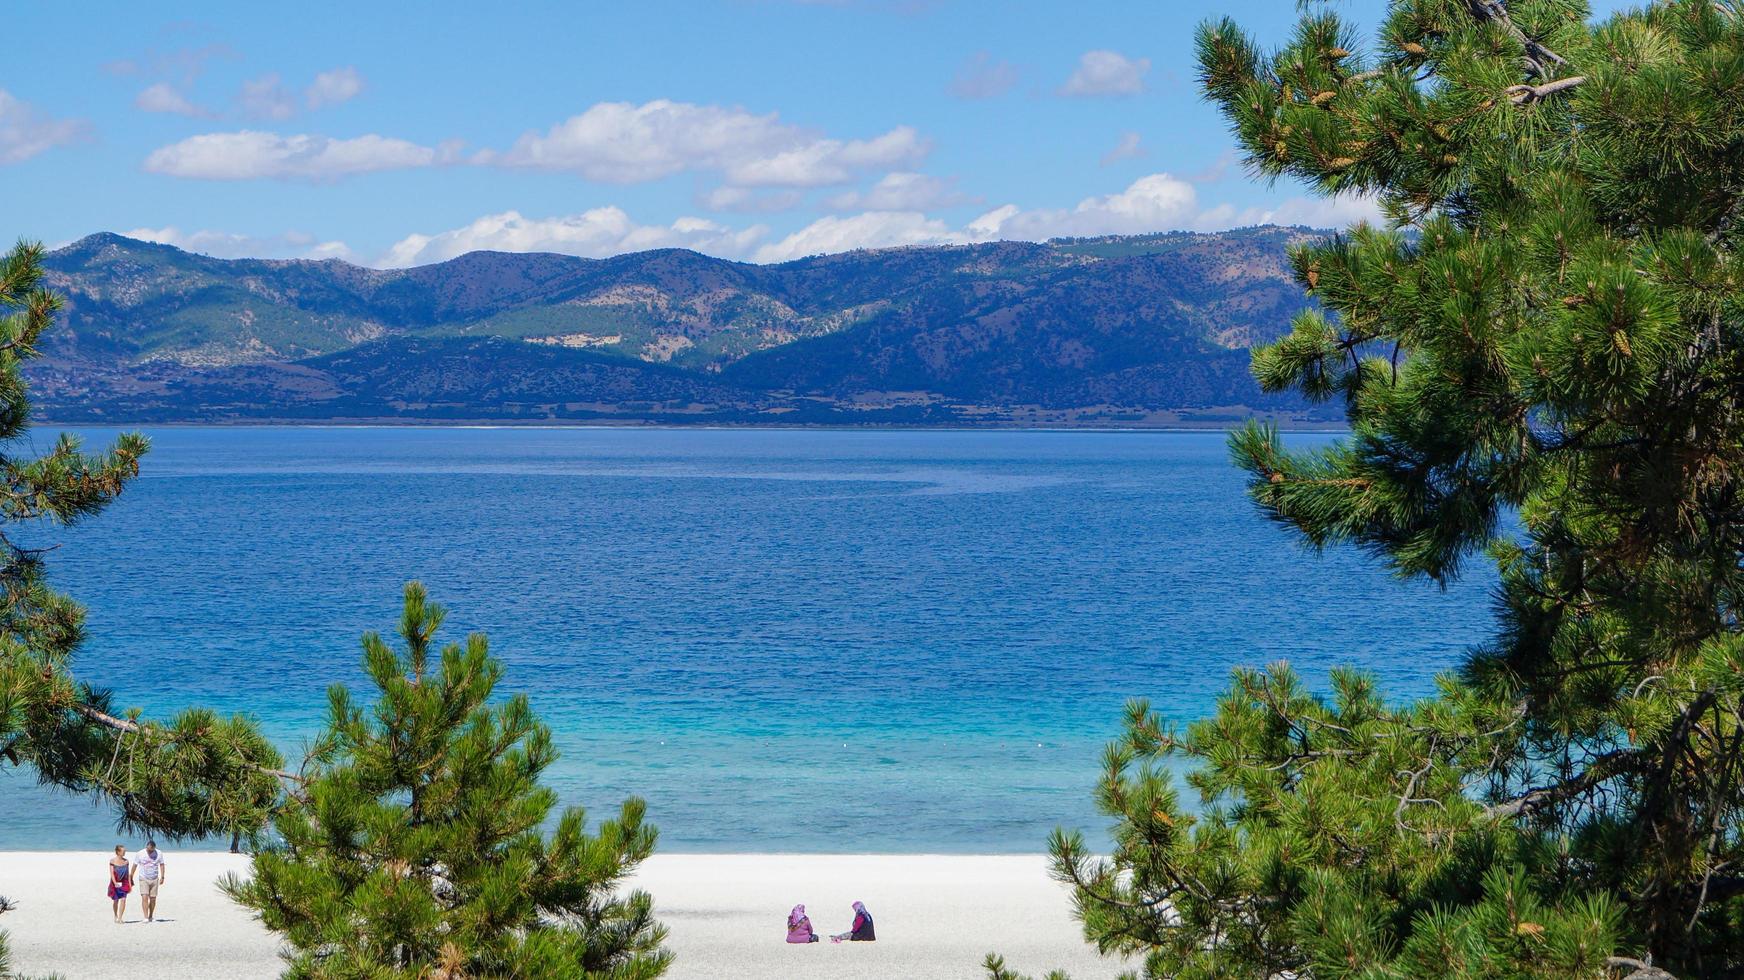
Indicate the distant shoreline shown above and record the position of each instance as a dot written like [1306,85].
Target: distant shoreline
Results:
[341,423]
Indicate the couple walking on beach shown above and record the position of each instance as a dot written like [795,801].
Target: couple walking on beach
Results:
[145,872]
[799,927]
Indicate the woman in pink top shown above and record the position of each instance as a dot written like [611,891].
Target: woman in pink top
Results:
[120,882]
[799,926]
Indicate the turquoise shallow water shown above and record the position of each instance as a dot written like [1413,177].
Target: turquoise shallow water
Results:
[784,640]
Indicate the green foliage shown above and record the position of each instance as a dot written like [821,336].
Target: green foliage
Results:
[996,970]
[1334,837]
[415,847]
[196,774]
[1539,358]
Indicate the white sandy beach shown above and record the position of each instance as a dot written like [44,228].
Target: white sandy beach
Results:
[937,917]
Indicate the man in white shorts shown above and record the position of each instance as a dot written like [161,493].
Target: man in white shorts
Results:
[148,875]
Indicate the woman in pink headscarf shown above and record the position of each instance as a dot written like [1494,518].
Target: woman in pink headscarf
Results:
[799,926]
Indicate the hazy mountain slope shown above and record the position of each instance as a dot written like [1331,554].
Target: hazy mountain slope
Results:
[1149,327]
[400,378]
[1132,324]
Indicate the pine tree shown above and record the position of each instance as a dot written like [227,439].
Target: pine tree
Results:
[1541,358]
[196,774]
[415,848]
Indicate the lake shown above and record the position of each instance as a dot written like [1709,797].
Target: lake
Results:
[797,640]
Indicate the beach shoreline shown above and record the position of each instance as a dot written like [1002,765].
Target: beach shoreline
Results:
[938,916]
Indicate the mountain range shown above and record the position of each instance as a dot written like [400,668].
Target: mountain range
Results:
[1121,330]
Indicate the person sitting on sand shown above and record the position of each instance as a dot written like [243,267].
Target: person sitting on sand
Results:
[799,926]
[148,871]
[120,882]
[862,930]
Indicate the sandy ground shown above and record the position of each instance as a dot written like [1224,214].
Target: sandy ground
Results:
[937,917]
[63,924]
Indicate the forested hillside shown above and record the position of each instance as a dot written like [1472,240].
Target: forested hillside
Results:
[1129,330]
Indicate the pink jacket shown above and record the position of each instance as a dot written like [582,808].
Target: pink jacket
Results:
[799,926]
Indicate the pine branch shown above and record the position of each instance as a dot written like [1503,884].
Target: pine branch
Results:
[131,727]
[1639,969]
[1494,11]
[1605,767]
[1527,94]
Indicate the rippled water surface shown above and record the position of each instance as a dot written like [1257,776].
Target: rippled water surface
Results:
[794,640]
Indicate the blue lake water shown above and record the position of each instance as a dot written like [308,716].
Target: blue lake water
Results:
[784,640]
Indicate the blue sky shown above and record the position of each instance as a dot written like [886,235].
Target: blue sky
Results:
[393,134]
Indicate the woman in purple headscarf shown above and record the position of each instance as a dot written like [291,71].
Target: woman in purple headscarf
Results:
[799,926]
[862,931]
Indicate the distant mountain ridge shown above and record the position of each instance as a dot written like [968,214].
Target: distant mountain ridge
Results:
[1122,329]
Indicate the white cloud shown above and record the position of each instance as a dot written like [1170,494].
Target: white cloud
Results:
[596,233]
[250,154]
[1129,147]
[1160,202]
[1154,203]
[826,161]
[986,227]
[333,87]
[623,143]
[1157,202]
[1107,73]
[901,191]
[25,131]
[182,65]
[981,77]
[163,97]
[1314,212]
[266,98]
[873,229]
[747,201]
[229,245]
[331,250]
